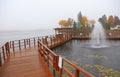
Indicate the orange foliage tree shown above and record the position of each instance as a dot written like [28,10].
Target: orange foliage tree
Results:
[83,20]
[63,23]
[66,23]
[110,20]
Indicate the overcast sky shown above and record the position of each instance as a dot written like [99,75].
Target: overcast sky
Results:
[45,14]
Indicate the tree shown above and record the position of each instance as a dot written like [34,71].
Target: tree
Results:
[116,20]
[110,20]
[60,22]
[63,23]
[79,16]
[104,17]
[70,21]
[103,21]
[74,28]
[83,20]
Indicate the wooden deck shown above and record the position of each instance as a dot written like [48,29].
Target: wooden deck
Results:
[26,63]
[32,57]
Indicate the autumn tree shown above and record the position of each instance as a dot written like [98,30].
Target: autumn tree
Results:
[63,23]
[110,20]
[70,21]
[83,20]
[60,22]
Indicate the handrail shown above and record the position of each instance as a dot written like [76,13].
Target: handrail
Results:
[18,45]
[52,60]
[78,68]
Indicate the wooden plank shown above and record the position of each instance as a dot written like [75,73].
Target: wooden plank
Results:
[29,64]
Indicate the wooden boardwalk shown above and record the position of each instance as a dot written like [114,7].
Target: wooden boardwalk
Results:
[26,63]
[33,58]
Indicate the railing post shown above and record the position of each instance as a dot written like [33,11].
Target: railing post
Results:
[0,60]
[19,45]
[38,45]
[3,52]
[25,43]
[51,40]
[10,44]
[55,64]
[46,42]
[7,48]
[48,58]
[13,46]
[40,48]
[34,42]
[29,42]
[42,40]
[77,73]
[60,71]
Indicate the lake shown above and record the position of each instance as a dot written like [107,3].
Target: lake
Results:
[16,35]
[99,61]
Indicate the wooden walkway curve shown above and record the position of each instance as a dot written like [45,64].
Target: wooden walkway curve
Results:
[27,63]
[33,57]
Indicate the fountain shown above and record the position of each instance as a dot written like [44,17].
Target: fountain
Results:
[98,38]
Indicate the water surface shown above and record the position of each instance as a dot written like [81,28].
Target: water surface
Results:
[99,61]
[16,35]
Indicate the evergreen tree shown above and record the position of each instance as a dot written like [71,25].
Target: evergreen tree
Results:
[79,16]
[74,28]
[103,21]
[116,20]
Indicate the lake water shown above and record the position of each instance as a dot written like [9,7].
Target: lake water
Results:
[16,35]
[101,62]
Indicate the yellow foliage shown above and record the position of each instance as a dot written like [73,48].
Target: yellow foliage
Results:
[83,20]
[64,23]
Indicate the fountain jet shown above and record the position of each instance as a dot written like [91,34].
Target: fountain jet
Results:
[98,38]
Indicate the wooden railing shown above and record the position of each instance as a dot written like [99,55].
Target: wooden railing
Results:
[17,45]
[14,46]
[52,60]
[44,44]
[4,53]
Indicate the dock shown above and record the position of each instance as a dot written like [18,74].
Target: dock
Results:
[33,57]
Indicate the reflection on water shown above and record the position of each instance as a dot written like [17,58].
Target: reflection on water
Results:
[101,62]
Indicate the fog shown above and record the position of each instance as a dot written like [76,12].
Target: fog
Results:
[45,14]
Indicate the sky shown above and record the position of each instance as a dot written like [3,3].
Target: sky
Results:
[45,14]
